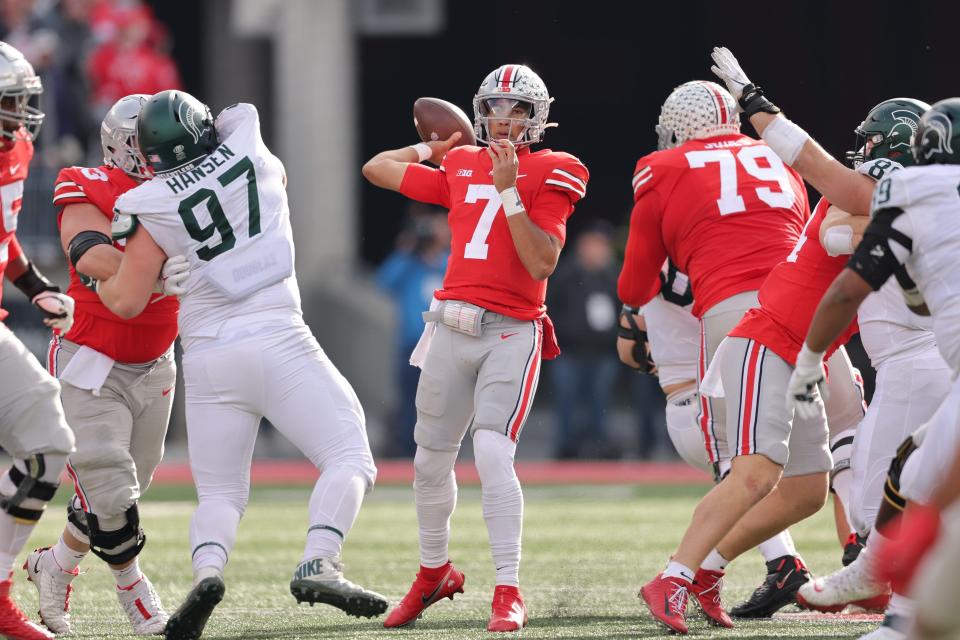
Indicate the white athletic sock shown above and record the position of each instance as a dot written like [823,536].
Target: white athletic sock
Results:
[13,535]
[676,570]
[435,493]
[65,558]
[778,546]
[128,575]
[502,500]
[213,532]
[714,561]
[334,506]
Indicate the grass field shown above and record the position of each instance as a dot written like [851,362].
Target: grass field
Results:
[587,550]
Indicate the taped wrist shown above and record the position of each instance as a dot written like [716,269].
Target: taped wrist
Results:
[424,152]
[32,283]
[785,138]
[83,242]
[753,101]
[838,241]
[512,204]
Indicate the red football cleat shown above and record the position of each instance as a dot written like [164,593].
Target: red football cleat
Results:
[14,624]
[430,585]
[667,600]
[509,612]
[706,587]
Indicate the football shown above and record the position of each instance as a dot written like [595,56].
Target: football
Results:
[437,119]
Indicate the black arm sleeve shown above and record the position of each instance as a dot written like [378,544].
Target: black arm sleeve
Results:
[874,260]
[83,242]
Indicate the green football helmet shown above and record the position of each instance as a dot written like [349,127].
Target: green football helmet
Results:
[887,131]
[938,138]
[174,130]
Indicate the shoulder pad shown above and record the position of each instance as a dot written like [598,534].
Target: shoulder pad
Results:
[123,225]
[879,168]
[892,192]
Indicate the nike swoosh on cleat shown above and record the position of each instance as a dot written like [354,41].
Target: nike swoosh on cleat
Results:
[428,600]
[780,583]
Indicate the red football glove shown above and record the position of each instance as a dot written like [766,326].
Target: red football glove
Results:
[898,557]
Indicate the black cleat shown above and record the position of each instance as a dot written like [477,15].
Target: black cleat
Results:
[785,575]
[188,621]
[321,580]
[853,547]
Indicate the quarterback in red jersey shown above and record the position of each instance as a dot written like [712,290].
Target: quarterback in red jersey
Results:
[488,329]
[117,378]
[33,429]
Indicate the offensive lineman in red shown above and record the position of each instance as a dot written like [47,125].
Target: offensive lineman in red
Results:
[488,328]
[725,209]
[117,378]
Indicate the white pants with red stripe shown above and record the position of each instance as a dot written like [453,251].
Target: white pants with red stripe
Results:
[718,321]
[755,385]
[478,382]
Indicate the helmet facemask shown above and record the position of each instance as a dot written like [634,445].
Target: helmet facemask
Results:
[20,118]
[500,116]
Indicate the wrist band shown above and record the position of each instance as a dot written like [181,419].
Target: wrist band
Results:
[32,283]
[785,138]
[512,204]
[423,151]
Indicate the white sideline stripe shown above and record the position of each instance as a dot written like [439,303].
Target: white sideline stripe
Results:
[566,185]
[571,177]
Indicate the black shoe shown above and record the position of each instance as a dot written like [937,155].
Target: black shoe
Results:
[785,575]
[188,621]
[855,544]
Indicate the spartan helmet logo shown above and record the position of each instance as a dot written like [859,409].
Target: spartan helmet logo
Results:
[902,133]
[937,135]
[186,113]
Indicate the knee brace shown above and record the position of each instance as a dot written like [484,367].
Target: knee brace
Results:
[118,545]
[77,520]
[891,488]
[32,488]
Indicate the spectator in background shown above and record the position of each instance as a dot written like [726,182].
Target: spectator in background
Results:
[410,275]
[76,128]
[583,304]
[132,61]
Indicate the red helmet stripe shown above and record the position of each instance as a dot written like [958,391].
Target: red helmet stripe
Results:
[721,105]
[507,77]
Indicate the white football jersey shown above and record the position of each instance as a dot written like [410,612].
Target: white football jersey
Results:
[674,335]
[228,214]
[930,203]
[888,329]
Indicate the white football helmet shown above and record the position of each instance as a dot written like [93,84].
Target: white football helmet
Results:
[694,110]
[118,137]
[18,81]
[505,88]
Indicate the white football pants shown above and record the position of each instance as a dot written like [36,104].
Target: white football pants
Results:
[281,374]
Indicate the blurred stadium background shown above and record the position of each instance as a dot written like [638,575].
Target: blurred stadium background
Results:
[335,81]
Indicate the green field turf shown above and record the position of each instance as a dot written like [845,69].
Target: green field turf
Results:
[587,550]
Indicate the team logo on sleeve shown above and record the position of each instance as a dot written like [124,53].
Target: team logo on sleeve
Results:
[937,135]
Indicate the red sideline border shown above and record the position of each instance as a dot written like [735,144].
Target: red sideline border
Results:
[400,472]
